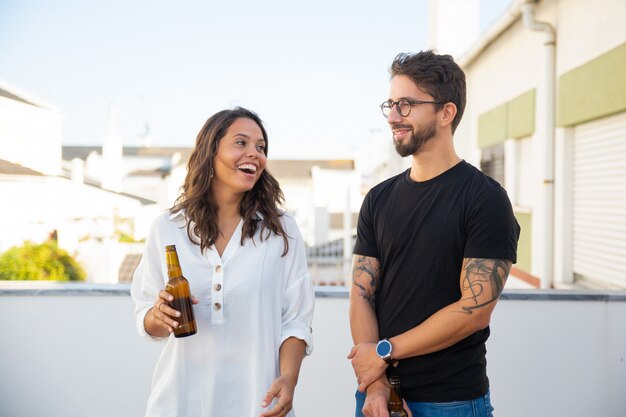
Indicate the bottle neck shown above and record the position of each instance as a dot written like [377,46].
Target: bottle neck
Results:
[395,396]
[173,265]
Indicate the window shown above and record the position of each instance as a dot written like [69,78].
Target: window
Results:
[492,162]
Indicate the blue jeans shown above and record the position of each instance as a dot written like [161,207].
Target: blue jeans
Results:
[478,407]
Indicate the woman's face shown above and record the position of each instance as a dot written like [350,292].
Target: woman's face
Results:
[240,157]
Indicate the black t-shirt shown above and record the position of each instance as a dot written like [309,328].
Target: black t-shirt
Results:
[420,233]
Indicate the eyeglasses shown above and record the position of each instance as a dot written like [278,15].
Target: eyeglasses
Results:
[403,106]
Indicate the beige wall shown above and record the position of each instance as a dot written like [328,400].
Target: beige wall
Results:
[587,29]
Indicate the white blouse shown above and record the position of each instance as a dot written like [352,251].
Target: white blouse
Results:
[251,300]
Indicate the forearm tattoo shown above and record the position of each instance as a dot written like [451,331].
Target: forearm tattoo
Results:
[484,279]
[365,275]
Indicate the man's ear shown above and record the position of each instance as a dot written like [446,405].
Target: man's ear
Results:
[447,114]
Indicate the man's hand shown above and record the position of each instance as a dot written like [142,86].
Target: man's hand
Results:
[367,365]
[377,400]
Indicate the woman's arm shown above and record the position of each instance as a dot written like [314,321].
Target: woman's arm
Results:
[282,389]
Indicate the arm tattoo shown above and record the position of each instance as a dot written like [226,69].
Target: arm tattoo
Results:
[365,274]
[484,279]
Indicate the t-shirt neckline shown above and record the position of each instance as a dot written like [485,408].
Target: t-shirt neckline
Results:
[435,180]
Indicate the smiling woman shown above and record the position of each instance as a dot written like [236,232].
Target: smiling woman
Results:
[252,293]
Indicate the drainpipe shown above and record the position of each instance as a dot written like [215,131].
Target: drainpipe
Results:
[545,128]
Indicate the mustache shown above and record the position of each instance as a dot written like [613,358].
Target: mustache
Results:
[400,126]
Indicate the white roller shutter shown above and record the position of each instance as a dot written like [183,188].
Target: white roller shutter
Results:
[599,201]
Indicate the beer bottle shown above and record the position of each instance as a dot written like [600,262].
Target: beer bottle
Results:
[178,287]
[396,407]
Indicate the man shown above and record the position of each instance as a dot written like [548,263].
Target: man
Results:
[434,248]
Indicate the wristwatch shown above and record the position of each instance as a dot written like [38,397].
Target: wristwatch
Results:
[384,349]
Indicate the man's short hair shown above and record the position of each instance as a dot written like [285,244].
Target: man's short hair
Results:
[438,75]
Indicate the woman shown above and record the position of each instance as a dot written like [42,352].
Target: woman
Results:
[252,293]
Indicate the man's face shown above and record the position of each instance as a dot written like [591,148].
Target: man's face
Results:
[410,133]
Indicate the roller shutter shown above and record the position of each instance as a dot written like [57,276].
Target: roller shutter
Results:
[599,201]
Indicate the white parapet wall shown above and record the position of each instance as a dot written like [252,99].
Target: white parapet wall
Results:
[72,351]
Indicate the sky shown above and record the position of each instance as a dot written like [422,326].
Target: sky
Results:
[314,71]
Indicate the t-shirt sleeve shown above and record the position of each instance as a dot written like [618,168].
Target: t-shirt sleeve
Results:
[492,230]
[365,237]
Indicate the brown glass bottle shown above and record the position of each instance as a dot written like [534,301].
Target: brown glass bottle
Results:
[395,407]
[178,286]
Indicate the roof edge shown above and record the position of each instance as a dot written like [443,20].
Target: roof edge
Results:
[493,32]
[26,97]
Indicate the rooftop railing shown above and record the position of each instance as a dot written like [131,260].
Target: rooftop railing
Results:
[71,350]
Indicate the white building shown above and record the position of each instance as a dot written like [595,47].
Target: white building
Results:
[546,116]
[317,194]
[453,25]
[30,130]
[40,202]
[154,173]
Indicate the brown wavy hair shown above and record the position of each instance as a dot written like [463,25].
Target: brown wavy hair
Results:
[197,199]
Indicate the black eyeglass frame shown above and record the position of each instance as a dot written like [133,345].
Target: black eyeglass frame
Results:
[386,106]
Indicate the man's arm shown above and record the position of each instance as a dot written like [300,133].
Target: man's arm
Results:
[364,325]
[481,283]
[365,278]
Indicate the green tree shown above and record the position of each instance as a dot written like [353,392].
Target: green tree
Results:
[45,261]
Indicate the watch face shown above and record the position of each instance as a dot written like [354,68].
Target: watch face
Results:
[383,348]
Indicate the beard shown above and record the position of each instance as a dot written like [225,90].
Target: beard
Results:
[416,141]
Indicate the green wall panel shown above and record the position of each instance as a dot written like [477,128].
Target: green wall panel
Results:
[522,115]
[492,126]
[524,261]
[593,90]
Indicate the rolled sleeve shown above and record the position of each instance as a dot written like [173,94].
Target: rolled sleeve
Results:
[298,312]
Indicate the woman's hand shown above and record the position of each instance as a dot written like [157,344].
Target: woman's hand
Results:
[281,390]
[160,320]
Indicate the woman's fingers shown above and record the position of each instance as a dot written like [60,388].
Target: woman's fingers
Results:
[161,319]
[281,408]
[164,313]
[165,296]
[280,392]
